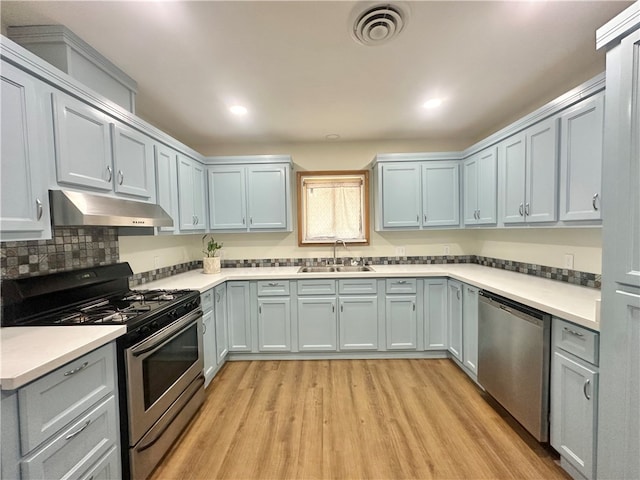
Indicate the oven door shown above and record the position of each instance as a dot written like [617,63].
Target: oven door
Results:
[159,369]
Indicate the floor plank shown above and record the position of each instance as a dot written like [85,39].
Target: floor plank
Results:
[349,419]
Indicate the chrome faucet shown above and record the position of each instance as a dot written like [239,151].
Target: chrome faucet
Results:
[335,245]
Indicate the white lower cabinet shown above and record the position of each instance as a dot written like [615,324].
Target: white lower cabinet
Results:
[220,309]
[359,322]
[274,324]
[401,314]
[574,398]
[470,328]
[64,424]
[317,324]
[239,316]
[435,314]
[454,307]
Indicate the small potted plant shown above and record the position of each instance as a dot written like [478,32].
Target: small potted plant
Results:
[211,260]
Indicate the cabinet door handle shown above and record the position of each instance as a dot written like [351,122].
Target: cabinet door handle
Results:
[218,297]
[260,309]
[250,220]
[333,308]
[204,328]
[425,219]
[521,210]
[342,307]
[573,332]
[593,202]
[458,294]
[413,304]
[197,220]
[526,209]
[584,389]
[76,370]
[110,172]
[71,435]
[243,220]
[39,208]
[418,218]
[120,177]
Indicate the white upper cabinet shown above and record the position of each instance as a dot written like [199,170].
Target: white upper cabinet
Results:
[24,201]
[440,194]
[581,134]
[133,162]
[401,195]
[96,152]
[480,188]
[529,162]
[191,194]
[227,198]
[415,195]
[167,184]
[249,197]
[83,146]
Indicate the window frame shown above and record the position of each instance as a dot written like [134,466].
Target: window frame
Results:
[366,202]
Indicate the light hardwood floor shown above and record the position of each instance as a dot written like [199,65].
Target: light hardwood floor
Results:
[350,419]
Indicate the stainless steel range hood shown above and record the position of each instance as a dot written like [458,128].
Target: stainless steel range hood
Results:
[84,209]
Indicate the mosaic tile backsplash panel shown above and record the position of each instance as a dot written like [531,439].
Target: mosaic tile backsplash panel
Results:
[584,279]
[69,249]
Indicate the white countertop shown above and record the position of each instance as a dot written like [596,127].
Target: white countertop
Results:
[30,352]
[570,302]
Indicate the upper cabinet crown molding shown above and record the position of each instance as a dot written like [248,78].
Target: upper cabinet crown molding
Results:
[248,159]
[619,26]
[416,157]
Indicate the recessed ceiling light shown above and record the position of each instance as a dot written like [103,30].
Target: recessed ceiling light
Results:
[238,110]
[433,103]
[332,136]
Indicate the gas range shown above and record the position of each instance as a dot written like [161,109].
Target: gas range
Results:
[93,296]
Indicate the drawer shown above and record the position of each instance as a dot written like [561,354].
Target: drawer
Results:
[580,341]
[78,447]
[316,287]
[206,300]
[107,468]
[357,286]
[273,287]
[401,285]
[48,404]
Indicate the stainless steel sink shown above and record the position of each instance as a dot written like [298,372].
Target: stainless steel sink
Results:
[329,269]
[354,268]
[316,269]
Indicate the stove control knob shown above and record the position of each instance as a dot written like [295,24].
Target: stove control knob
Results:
[144,330]
[153,326]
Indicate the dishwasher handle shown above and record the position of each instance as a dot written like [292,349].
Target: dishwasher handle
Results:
[522,311]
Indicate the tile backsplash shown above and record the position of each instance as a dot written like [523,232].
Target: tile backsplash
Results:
[69,249]
[73,248]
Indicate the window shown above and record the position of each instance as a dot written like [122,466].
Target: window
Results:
[333,206]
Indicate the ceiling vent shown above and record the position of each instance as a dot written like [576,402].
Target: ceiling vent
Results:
[378,24]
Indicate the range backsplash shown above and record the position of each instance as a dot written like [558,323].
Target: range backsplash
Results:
[70,248]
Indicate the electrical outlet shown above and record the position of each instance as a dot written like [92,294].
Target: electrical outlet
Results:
[400,252]
[568,261]
[447,250]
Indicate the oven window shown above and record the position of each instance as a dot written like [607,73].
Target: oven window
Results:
[162,368]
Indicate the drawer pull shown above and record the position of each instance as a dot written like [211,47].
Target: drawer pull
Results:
[71,435]
[573,332]
[76,370]
[401,282]
[273,284]
[584,389]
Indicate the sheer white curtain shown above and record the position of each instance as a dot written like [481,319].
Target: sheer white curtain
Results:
[333,209]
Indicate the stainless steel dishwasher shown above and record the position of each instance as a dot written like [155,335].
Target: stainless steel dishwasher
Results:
[513,360]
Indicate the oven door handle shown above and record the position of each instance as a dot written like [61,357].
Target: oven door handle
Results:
[167,333]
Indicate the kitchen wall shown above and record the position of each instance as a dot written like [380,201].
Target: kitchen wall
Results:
[539,246]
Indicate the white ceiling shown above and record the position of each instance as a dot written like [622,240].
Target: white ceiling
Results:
[302,76]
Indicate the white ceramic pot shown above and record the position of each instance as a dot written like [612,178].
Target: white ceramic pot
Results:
[211,264]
